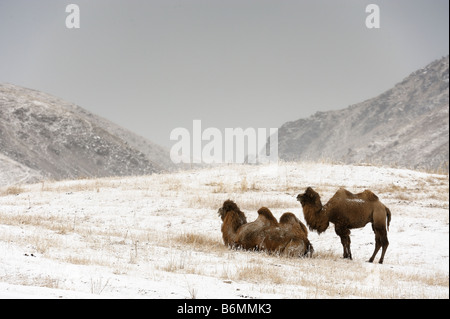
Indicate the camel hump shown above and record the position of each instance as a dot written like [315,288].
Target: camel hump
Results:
[267,214]
[369,196]
[343,193]
[288,218]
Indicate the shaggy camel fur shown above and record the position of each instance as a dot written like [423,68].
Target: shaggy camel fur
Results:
[347,211]
[288,237]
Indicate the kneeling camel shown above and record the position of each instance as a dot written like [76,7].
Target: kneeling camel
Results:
[288,237]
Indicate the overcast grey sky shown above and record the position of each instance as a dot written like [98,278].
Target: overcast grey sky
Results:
[152,66]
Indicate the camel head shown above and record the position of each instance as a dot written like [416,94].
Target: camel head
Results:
[312,210]
[228,206]
[309,197]
[232,220]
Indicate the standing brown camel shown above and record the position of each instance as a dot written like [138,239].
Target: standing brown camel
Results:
[288,237]
[347,211]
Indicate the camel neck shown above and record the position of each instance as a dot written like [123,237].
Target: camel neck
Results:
[322,210]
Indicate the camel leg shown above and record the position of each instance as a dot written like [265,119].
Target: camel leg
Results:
[381,241]
[377,247]
[385,243]
[344,233]
[347,240]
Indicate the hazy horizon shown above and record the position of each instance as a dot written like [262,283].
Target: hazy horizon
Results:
[153,66]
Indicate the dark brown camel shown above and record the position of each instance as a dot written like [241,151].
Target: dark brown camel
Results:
[347,211]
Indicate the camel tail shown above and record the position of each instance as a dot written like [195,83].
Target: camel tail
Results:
[388,217]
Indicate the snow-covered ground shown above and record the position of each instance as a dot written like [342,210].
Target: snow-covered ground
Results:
[159,236]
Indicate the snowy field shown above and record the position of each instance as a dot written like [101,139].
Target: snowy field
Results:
[159,236]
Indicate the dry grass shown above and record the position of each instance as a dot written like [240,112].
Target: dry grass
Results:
[173,264]
[125,240]
[60,224]
[247,201]
[12,190]
[259,273]
[199,242]
[84,185]
[39,280]
[227,188]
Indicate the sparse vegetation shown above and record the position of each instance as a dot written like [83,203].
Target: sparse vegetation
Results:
[12,190]
[199,242]
[99,233]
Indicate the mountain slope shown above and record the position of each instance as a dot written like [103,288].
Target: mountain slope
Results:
[50,138]
[407,125]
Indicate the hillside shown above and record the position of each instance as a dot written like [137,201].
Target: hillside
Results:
[158,236]
[407,126]
[42,136]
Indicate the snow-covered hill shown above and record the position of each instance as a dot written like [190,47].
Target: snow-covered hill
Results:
[47,137]
[407,126]
[159,236]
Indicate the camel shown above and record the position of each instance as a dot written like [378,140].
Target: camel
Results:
[348,211]
[288,237]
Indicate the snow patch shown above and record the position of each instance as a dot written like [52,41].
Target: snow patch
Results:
[159,236]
